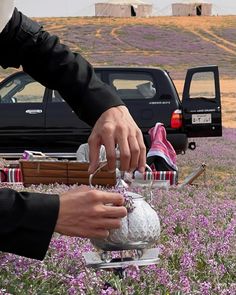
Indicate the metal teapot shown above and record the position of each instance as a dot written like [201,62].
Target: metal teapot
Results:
[139,229]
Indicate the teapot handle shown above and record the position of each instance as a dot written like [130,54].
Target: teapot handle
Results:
[151,178]
[145,182]
[101,165]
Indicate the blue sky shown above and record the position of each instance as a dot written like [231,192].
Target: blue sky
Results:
[86,7]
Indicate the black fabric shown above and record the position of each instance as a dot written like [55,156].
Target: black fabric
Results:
[27,222]
[24,43]
[159,163]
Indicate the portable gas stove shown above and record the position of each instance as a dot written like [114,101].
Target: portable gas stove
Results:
[104,260]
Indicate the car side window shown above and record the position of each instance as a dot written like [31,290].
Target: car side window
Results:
[56,97]
[133,85]
[22,90]
[203,86]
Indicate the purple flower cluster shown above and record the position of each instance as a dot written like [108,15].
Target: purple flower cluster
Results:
[129,203]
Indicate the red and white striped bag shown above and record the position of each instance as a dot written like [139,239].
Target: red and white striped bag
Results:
[11,175]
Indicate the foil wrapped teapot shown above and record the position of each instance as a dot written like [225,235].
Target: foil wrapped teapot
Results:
[139,229]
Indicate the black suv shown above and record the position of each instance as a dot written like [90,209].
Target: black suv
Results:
[36,118]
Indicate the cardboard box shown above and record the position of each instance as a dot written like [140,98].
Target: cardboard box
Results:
[33,155]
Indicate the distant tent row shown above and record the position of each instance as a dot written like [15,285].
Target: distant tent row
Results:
[140,8]
[191,8]
[123,8]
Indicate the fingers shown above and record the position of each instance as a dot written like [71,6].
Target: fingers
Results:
[142,152]
[135,153]
[92,196]
[103,204]
[114,212]
[111,206]
[107,223]
[132,152]
[103,224]
[89,213]
[129,150]
[110,198]
[125,154]
[109,144]
[94,150]
[116,126]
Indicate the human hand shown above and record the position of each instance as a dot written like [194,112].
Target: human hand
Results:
[89,213]
[116,126]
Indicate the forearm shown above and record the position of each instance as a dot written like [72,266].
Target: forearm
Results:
[54,65]
[27,222]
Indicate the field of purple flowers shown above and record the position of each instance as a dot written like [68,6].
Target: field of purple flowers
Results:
[198,237]
[172,43]
[197,242]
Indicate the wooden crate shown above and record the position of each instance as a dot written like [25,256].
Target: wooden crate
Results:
[70,172]
[43,172]
[78,173]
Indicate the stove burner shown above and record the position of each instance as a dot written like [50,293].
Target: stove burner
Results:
[102,261]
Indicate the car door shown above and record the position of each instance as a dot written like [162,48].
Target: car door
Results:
[64,130]
[22,113]
[201,102]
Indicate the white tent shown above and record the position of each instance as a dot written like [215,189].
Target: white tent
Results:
[191,7]
[123,8]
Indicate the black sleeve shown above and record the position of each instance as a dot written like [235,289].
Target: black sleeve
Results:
[23,42]
[27,222]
